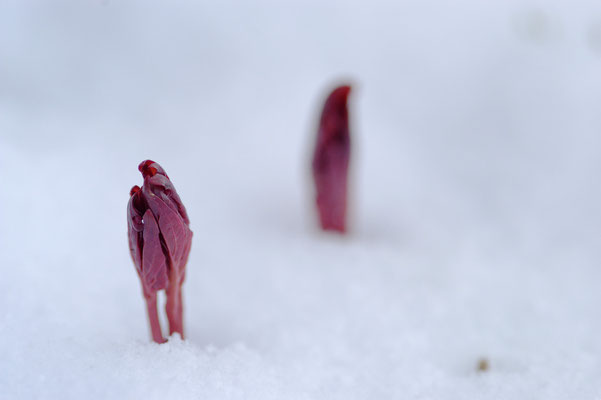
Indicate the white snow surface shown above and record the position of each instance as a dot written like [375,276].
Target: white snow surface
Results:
[476,222]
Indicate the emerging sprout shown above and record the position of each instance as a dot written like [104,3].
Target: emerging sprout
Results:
[331,161]
[159,242]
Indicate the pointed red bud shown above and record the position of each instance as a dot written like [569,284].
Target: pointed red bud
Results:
[331,161]
[159,242]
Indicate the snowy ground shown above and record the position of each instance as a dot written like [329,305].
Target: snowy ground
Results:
[476,228]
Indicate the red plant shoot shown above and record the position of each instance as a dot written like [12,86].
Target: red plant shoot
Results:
[159,242]
[331,161]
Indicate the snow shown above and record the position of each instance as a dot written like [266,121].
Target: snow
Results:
[475,232]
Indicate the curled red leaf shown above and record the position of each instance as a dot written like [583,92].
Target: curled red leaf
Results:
[159,242]
[331,161]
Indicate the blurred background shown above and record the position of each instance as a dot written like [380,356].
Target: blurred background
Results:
[475,227]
